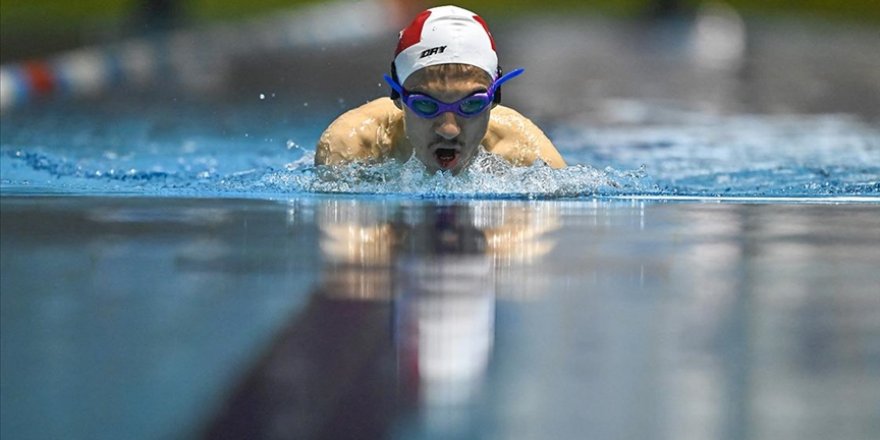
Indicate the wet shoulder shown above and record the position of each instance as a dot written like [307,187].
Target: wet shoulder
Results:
[364,133]
[518,139]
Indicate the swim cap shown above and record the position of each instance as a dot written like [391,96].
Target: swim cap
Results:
[445,35]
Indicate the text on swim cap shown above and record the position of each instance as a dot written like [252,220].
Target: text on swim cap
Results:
[432,51]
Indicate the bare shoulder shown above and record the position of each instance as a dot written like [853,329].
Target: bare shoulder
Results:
[364,133]
[517,139]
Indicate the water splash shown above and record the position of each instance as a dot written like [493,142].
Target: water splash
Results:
[489,177]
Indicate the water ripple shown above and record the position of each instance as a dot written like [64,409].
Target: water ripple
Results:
[744,156]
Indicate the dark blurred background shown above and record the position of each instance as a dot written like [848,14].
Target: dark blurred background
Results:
[30,28]
[599,61]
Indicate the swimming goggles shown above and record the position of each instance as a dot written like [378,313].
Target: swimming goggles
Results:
[469,106]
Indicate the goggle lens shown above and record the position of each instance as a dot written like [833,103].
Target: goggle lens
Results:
[428,107]
[473,105]
[424,106]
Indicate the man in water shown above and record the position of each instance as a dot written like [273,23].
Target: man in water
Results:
[444,104]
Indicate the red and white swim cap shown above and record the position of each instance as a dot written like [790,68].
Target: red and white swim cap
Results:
[445,35]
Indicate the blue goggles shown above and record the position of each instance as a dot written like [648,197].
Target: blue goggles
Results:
[469,106]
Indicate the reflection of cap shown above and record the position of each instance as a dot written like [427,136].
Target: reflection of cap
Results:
[445,310]
[445,35]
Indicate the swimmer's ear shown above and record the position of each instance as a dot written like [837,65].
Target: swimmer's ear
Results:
[395,97]
[496,100]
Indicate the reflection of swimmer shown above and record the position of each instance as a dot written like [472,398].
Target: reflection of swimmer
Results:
[362,248]
[445,82]
[426,276]
[440,267]
[444,304]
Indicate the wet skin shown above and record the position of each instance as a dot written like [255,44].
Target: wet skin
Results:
[448,141]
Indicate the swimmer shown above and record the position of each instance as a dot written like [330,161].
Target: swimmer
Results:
[444,104]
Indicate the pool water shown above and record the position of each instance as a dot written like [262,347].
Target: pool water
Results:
[172,266]
[333,317]
[743,156]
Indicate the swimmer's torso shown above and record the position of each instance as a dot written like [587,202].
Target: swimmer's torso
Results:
[374,132]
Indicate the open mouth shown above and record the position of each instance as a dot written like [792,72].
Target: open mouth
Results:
[446,157]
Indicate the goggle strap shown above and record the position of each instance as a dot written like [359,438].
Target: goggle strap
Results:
[506,77]
[394,85]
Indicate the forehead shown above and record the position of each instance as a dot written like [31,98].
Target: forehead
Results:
[448,76]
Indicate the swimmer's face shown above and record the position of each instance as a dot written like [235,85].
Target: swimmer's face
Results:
[447,141]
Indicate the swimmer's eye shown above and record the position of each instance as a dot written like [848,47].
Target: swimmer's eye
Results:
[473,105]
[424,106]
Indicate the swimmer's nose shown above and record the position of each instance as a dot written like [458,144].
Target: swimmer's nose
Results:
[446,126]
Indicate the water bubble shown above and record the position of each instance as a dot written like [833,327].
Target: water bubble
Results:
[262,96]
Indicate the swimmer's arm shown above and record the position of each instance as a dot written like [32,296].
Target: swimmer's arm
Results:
[519,140]
[358,135]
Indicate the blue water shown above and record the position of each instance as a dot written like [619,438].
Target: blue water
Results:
[263,151]
[189,311]
[146,318]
